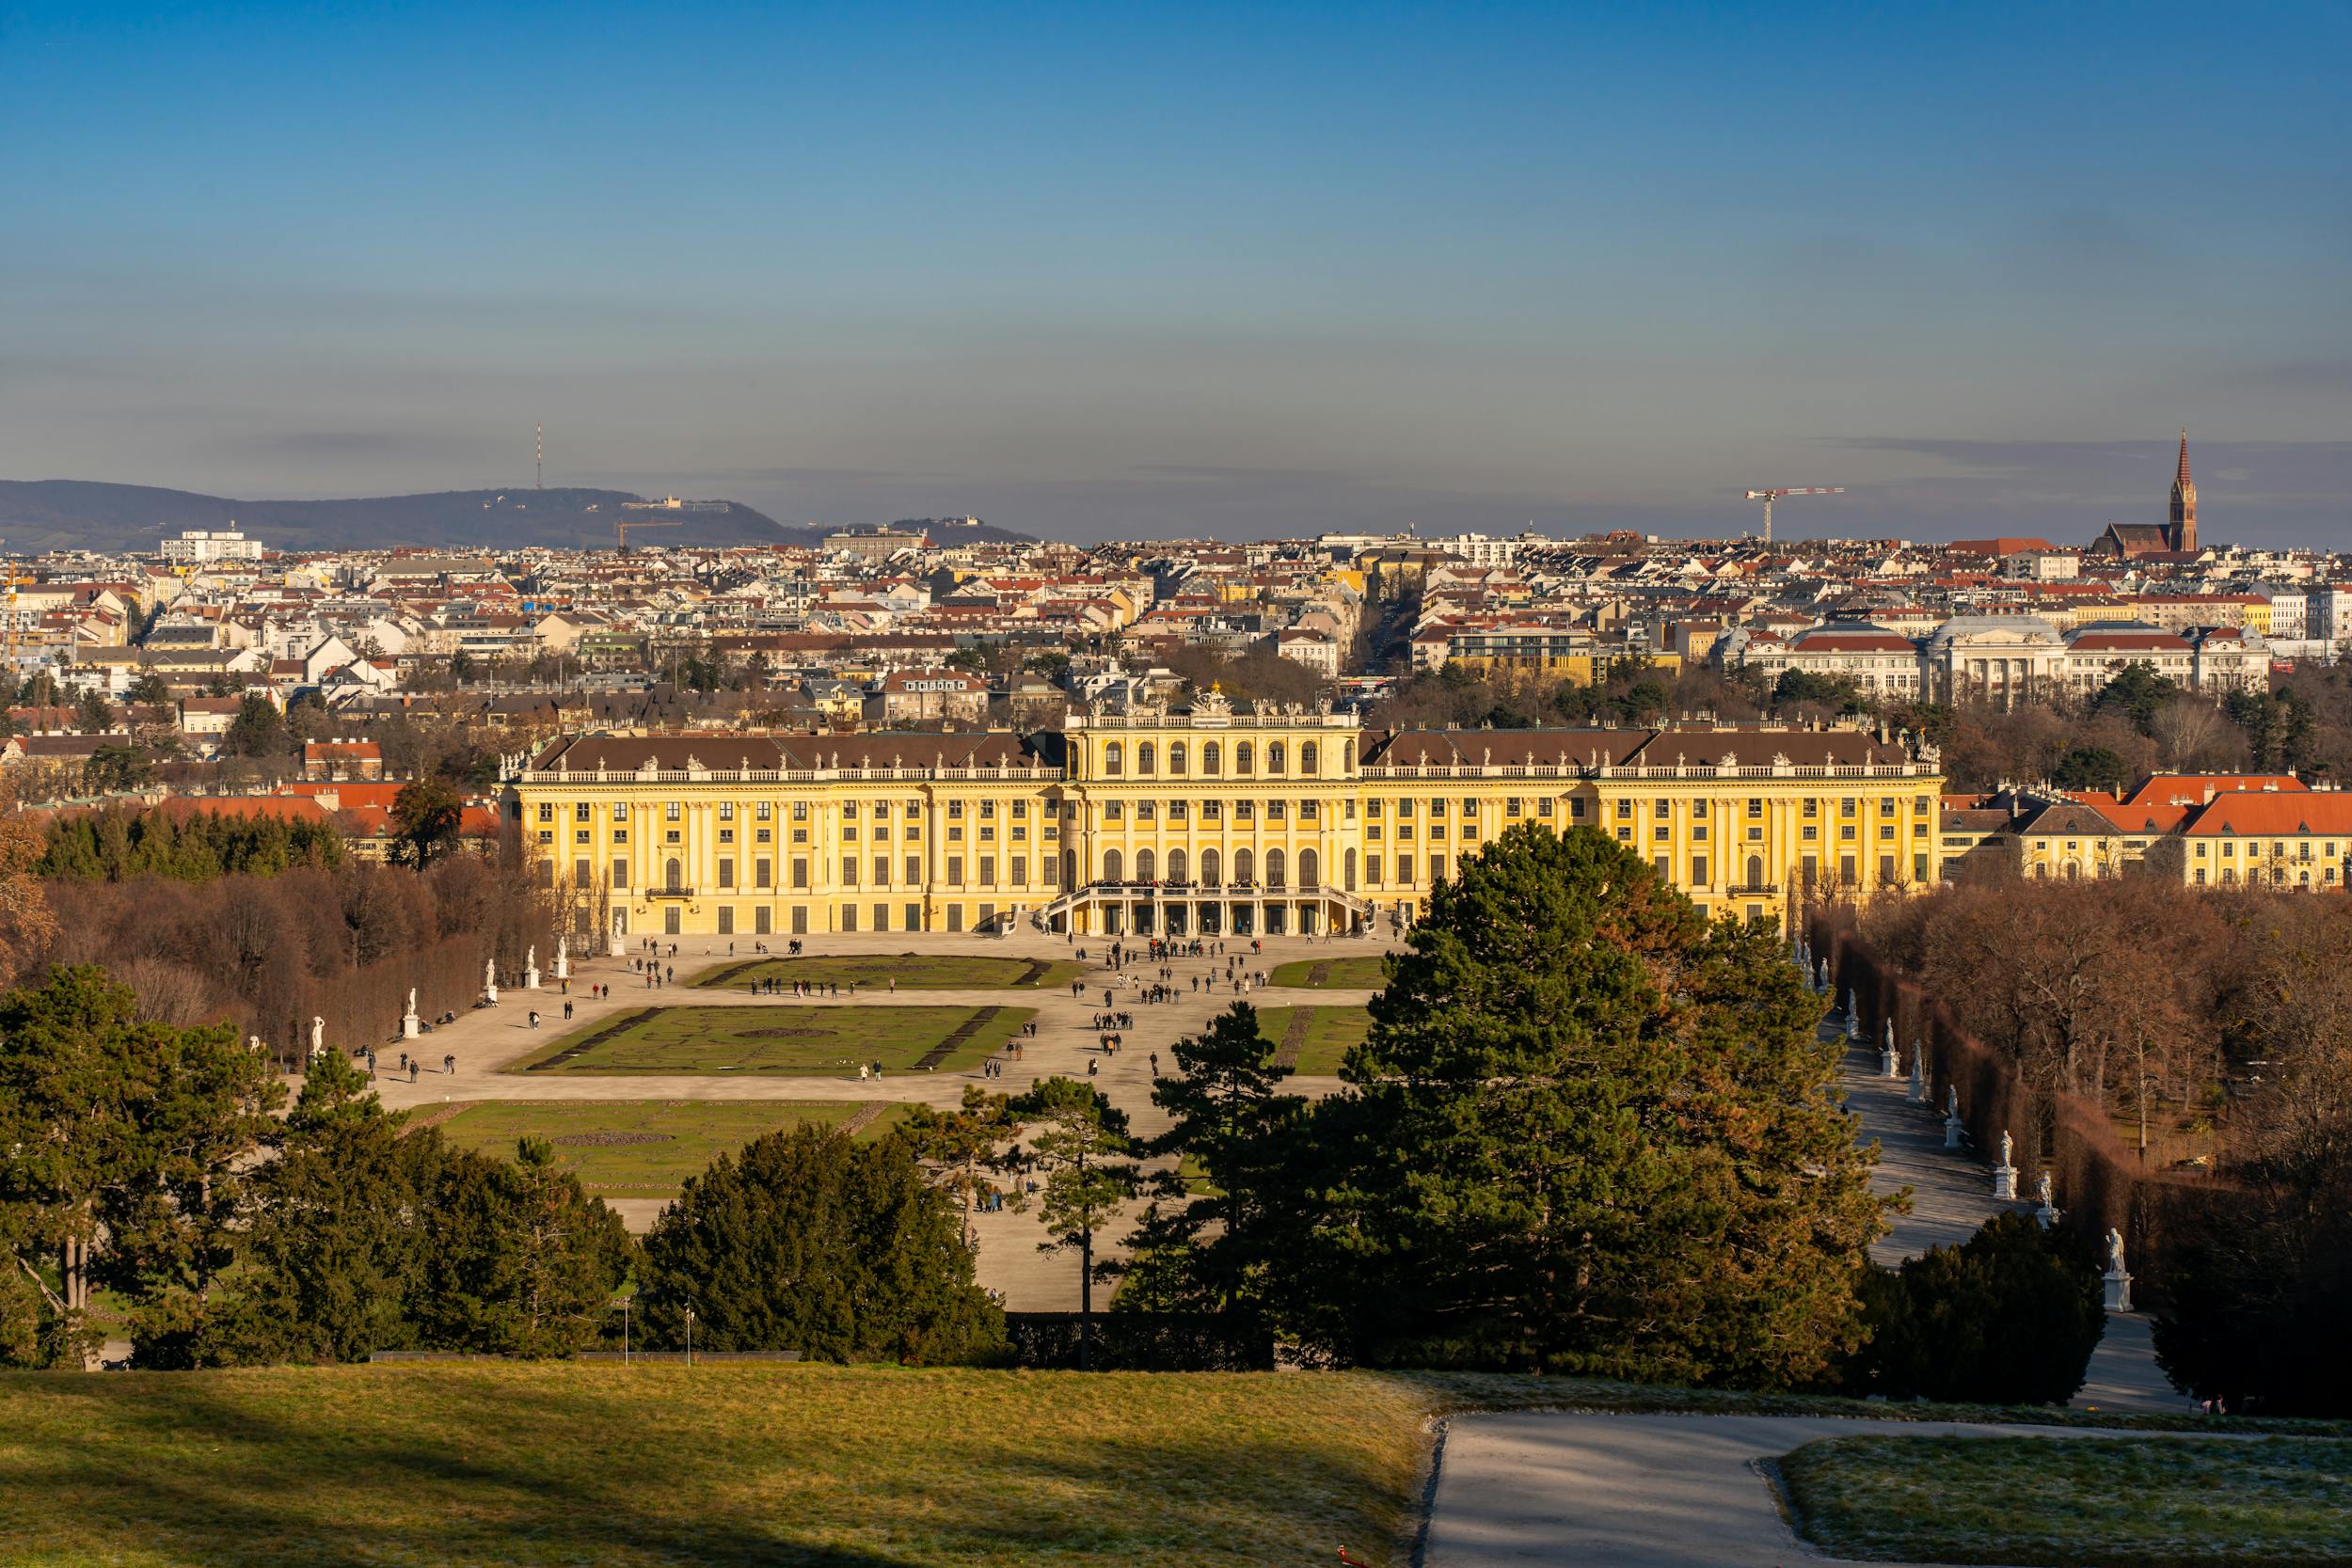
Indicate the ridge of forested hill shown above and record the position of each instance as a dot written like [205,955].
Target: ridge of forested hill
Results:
[71,514]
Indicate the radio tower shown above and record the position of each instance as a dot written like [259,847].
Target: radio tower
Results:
[539,456]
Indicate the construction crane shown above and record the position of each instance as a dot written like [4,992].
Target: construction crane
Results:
[622,528]
[1768,497]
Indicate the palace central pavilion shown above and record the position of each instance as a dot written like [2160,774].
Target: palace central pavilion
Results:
[1202,822]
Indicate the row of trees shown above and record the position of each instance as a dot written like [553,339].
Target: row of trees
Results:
[118,843]
[148,1161]
[342,940]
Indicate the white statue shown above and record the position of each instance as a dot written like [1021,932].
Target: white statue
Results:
[412,1001]
[2115,1251]
[318,1034]
[563,959]
[2005,1174]
[253,1044]
[1951,1099]
[489,975]
[530,958]
[2007,1145]
[2119,1278]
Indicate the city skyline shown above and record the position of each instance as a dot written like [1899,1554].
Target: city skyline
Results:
[1218,274]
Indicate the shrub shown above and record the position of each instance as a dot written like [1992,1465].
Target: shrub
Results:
[2011,1316]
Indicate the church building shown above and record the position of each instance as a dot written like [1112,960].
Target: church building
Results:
[2176,536]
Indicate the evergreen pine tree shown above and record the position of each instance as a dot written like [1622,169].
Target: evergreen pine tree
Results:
[1588,1131]
[810,1240]
[1219,1205]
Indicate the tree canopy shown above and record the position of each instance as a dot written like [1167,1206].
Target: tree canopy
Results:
[1588,1131]
[810,1240]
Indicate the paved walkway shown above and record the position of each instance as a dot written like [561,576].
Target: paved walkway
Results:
[1635,1491]
[1951,1195]
[487,1041]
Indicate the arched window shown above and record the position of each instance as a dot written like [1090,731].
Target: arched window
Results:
[1147,759]
[1212,758]
[1309,870]
[1274,868]
[1307,759]
[1114,759]
[1245,866]
[674,876]
[2073,872]
[1245,757]
[1351,871]
[1209,866]
[1176,758]
[1274,757]
[1756,872]
[1113,868]
[1175,865]
[1144,866]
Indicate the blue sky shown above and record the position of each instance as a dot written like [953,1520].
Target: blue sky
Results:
[1134,270]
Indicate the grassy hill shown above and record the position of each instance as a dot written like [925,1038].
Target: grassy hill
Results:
[71,514]
[848,1467]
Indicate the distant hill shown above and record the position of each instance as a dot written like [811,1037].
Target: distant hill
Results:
[71,514]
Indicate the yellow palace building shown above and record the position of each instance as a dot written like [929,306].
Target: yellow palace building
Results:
[1202,822]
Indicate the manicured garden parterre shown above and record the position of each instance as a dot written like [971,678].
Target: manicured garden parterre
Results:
[1313,1041]
[2111,1502]
[803,1040]
[1360,971]
[877,972]
[647,1148]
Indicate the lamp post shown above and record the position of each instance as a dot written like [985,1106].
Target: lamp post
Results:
[690,1335]
[622,1302]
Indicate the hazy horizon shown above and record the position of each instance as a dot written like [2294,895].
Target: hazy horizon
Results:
[1223,272]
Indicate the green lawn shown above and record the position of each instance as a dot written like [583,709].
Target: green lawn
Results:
[829,1468]
[912,970]
[1363,971]
[646,1148]
[793,1039]
[1327,1035]
[2125,1502]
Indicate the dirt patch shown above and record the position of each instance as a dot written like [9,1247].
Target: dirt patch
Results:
[419,1120]
[1294,1041]
[613,1030]
[783,1034]
[866,1115]
[963,1031]
[1320,974]
[612,1140]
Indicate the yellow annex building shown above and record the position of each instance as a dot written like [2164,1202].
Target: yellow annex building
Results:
[1196,822]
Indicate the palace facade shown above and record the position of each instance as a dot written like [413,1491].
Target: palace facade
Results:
[1203,821]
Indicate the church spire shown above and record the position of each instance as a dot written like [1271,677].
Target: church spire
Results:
[2182,529]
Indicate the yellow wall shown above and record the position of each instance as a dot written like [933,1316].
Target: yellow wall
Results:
[963,847]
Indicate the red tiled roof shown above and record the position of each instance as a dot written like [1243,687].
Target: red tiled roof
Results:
[2263,815]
